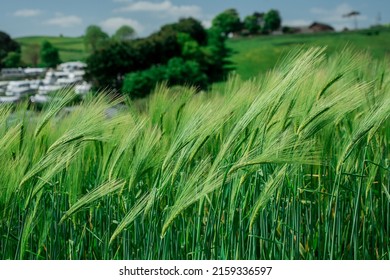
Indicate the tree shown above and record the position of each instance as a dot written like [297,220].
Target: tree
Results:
[124,33]
[140,83]
[251,23]
[176,72]
[272,21]
[190,26]
[202,55]
[32,54]
[94,37]
[190,48]
[7,45]
[185,72]
[49,55]
[216,56]
[227,21]
[108,64]
[12,60]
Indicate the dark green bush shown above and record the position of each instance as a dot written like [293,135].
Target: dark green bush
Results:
[176,72]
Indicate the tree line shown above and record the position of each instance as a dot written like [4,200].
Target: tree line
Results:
[11,57]
[257,23]
[179,53]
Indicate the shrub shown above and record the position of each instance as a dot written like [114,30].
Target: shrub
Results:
[7,45]
[140,83]
[176,72]
[49,55]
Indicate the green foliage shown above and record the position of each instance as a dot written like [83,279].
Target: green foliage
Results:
[251,24]
[190,48]
[12,60]
[7,45]
[228,21]
[124,33]
[176,72]
[140,84]
[217,55]
[293,165]
[70,48]
[185,72]
[94,38]
[106,66]
[272,20]
[203,55]
[189,26]
[49,55]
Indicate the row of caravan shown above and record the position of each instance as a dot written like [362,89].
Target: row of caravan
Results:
[39,90]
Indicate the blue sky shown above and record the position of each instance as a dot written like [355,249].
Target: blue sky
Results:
[71,17]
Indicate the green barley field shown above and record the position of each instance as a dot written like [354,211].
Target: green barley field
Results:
[294,164]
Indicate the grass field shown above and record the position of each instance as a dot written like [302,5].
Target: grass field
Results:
[292,165]
[70,49]
[253,56]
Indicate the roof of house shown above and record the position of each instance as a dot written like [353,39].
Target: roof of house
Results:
[321,25]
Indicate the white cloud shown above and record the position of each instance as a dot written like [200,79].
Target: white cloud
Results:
[64,21]
[27,13]
[112,24]
[335,16]
[164,8]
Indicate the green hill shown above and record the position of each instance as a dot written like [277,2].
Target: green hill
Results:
[256,55]
[251,56]
[71,48]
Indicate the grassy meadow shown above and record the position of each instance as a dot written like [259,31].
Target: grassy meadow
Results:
[256,55]
[70,48]
[293,164]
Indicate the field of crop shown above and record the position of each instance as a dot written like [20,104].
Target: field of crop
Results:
[292,165]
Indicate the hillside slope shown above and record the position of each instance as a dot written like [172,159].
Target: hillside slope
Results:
[251,56]
[256,55]
[71,48]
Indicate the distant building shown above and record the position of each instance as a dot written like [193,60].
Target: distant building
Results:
[320,27]
[315,27]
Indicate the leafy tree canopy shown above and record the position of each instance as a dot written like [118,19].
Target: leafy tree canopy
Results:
[7,45]
[272,20]
[49,55]
[184,47]
[94,37]
[227,21]
[176,72]
[190,26]
[251,23]
[12,60]
[124,33]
